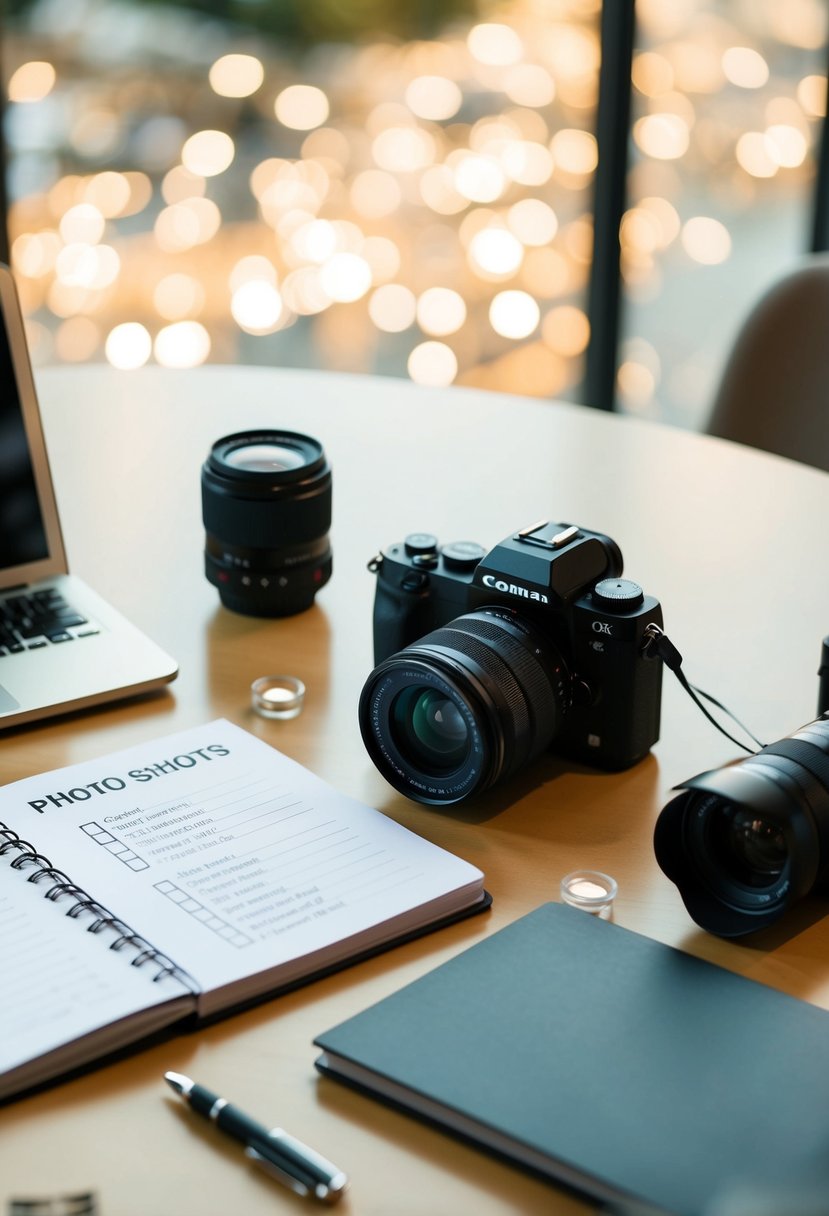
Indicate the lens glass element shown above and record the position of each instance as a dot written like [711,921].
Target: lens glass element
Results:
[265,458]
[429,729]
[750,850]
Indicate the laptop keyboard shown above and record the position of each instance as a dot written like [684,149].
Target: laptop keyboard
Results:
[32,620]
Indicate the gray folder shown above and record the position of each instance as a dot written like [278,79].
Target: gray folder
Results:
[604,1060]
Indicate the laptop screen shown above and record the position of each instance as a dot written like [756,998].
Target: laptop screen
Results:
[22,530]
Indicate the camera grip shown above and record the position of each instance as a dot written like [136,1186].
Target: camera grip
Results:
[399,616]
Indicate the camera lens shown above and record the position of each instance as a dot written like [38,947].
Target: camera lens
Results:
[266,506]
[464,706]
[745,842]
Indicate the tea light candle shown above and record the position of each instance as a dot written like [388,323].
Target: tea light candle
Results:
[589,890]
[277,696]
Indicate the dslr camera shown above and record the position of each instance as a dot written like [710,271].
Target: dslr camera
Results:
[486,659]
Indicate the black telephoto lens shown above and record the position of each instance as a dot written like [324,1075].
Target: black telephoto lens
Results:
[464,706]
[744,843]
[266,506]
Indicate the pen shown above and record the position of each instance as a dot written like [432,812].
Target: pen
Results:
[287,1159]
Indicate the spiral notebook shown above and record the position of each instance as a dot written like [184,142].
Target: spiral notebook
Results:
[186,878]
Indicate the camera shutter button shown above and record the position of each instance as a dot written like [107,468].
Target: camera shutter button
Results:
[619,594]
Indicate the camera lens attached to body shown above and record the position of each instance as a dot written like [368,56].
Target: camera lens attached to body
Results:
[266,506]
[464,707]
[744,843]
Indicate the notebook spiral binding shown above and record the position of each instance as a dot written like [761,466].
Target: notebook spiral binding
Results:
[63,887]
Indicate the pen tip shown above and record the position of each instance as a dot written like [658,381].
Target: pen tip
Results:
[178,1082]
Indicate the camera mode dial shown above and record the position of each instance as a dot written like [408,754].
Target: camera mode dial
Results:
[618,594]
[462,555]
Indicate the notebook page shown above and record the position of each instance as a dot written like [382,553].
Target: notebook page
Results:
[59,982]
[227,855]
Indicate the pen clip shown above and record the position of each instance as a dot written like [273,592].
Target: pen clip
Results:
[312,1174]
[271,1168]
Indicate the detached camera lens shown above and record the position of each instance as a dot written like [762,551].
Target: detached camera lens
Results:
[744,843]
[464,707]
[266,506]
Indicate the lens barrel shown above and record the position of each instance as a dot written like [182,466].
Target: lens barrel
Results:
[744,843]
[464,706]
[266,507]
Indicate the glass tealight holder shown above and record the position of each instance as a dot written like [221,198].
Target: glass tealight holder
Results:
[589,890]
[277,696]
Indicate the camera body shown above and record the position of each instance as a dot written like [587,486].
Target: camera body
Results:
[564,581]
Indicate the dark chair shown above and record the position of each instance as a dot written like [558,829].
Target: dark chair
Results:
[774,392]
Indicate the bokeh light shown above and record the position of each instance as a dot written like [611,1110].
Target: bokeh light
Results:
[128,346]
[208,153]
[236,75]
[433,364]
[32,81]
[301,107]
[514,314]
[181,345]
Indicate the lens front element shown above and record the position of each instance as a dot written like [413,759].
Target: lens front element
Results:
[751,850]
[429,729]
[264,458]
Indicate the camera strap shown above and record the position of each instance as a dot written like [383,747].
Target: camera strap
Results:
[658,645]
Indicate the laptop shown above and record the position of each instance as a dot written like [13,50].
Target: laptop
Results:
[62,647]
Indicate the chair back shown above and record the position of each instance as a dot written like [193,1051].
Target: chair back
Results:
[774,392]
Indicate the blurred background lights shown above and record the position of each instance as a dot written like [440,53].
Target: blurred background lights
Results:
[77,339]
[128,346]
[403,149]
[745,67]
[375,193]
[236,75]
[662,136]
[257,306]
[177,296]
[440,311]
[208,153]
[183,344]
[109,192]
[302,107]
[31,81]
[785,145]
[82,223]
[444,181]
[345,277]
[513,314]
[495,44]
[496,251]
[433,364]
[392,307]
[529,84]
[706,240]
[752,154]
[566,329]
[433,97]
[479,178]
[533,221]
[575,151]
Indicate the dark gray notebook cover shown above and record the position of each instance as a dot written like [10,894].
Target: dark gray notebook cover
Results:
[603,1059]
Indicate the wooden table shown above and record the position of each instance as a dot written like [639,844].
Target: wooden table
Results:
[732,543]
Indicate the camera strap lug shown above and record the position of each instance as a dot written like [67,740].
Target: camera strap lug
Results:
[375,563]
[657,645]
